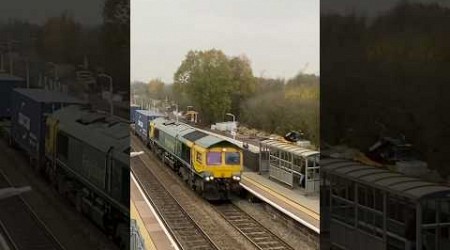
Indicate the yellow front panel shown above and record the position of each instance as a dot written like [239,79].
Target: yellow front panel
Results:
[198,158]
[218,171]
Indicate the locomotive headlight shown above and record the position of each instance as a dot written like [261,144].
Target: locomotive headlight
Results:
[208,176]
[236,178]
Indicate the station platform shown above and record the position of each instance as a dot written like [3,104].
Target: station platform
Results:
[292,202]
[153,234]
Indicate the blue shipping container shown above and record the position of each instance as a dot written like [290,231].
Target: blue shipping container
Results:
[7,84]
[30,108]
[133,109]
[143,118]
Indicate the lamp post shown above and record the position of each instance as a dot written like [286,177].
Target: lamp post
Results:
[233,132]
[27,68]
[234,117]
[192,115]
[176,112]
[110,91]
[55,73]
[55,68]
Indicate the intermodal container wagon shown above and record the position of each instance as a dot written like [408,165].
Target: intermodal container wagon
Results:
[7,84]
[143,119]
[133,109]
[30,108]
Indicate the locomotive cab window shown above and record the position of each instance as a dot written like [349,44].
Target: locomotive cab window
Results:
[232,158]
[214,158]
[199,157]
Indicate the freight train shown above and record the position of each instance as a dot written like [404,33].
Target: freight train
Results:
[83,153]
[208,164]
[87,153]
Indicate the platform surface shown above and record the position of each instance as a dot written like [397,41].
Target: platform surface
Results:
[151,231]
[292,202]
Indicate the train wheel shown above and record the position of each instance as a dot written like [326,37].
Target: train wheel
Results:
[184,175]
[191,183]
[198,184]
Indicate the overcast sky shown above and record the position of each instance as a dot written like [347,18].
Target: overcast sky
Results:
[278,36]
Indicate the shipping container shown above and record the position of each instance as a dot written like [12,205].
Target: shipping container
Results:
[143,119]
[7,84]
[30,108]
[133,109]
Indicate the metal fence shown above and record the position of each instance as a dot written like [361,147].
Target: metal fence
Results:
[136,241]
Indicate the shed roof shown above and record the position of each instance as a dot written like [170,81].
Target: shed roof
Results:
[288,147]
[383,179]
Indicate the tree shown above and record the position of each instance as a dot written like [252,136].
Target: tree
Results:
[116,41]
[205,77]
[156,89]
[244,83]
[60,39]
[303,87]
[279,108]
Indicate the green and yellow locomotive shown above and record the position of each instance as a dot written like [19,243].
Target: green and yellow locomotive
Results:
[87,158]
[210,165]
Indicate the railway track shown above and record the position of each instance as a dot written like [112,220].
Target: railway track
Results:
[255,232]
[21,227]
[218,230]
[182,227]
[246,227]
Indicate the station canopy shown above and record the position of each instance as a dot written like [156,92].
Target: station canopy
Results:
[289,147]
[383,179]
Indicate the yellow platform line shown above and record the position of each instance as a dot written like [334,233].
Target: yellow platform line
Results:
[134,214]
[286,199]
